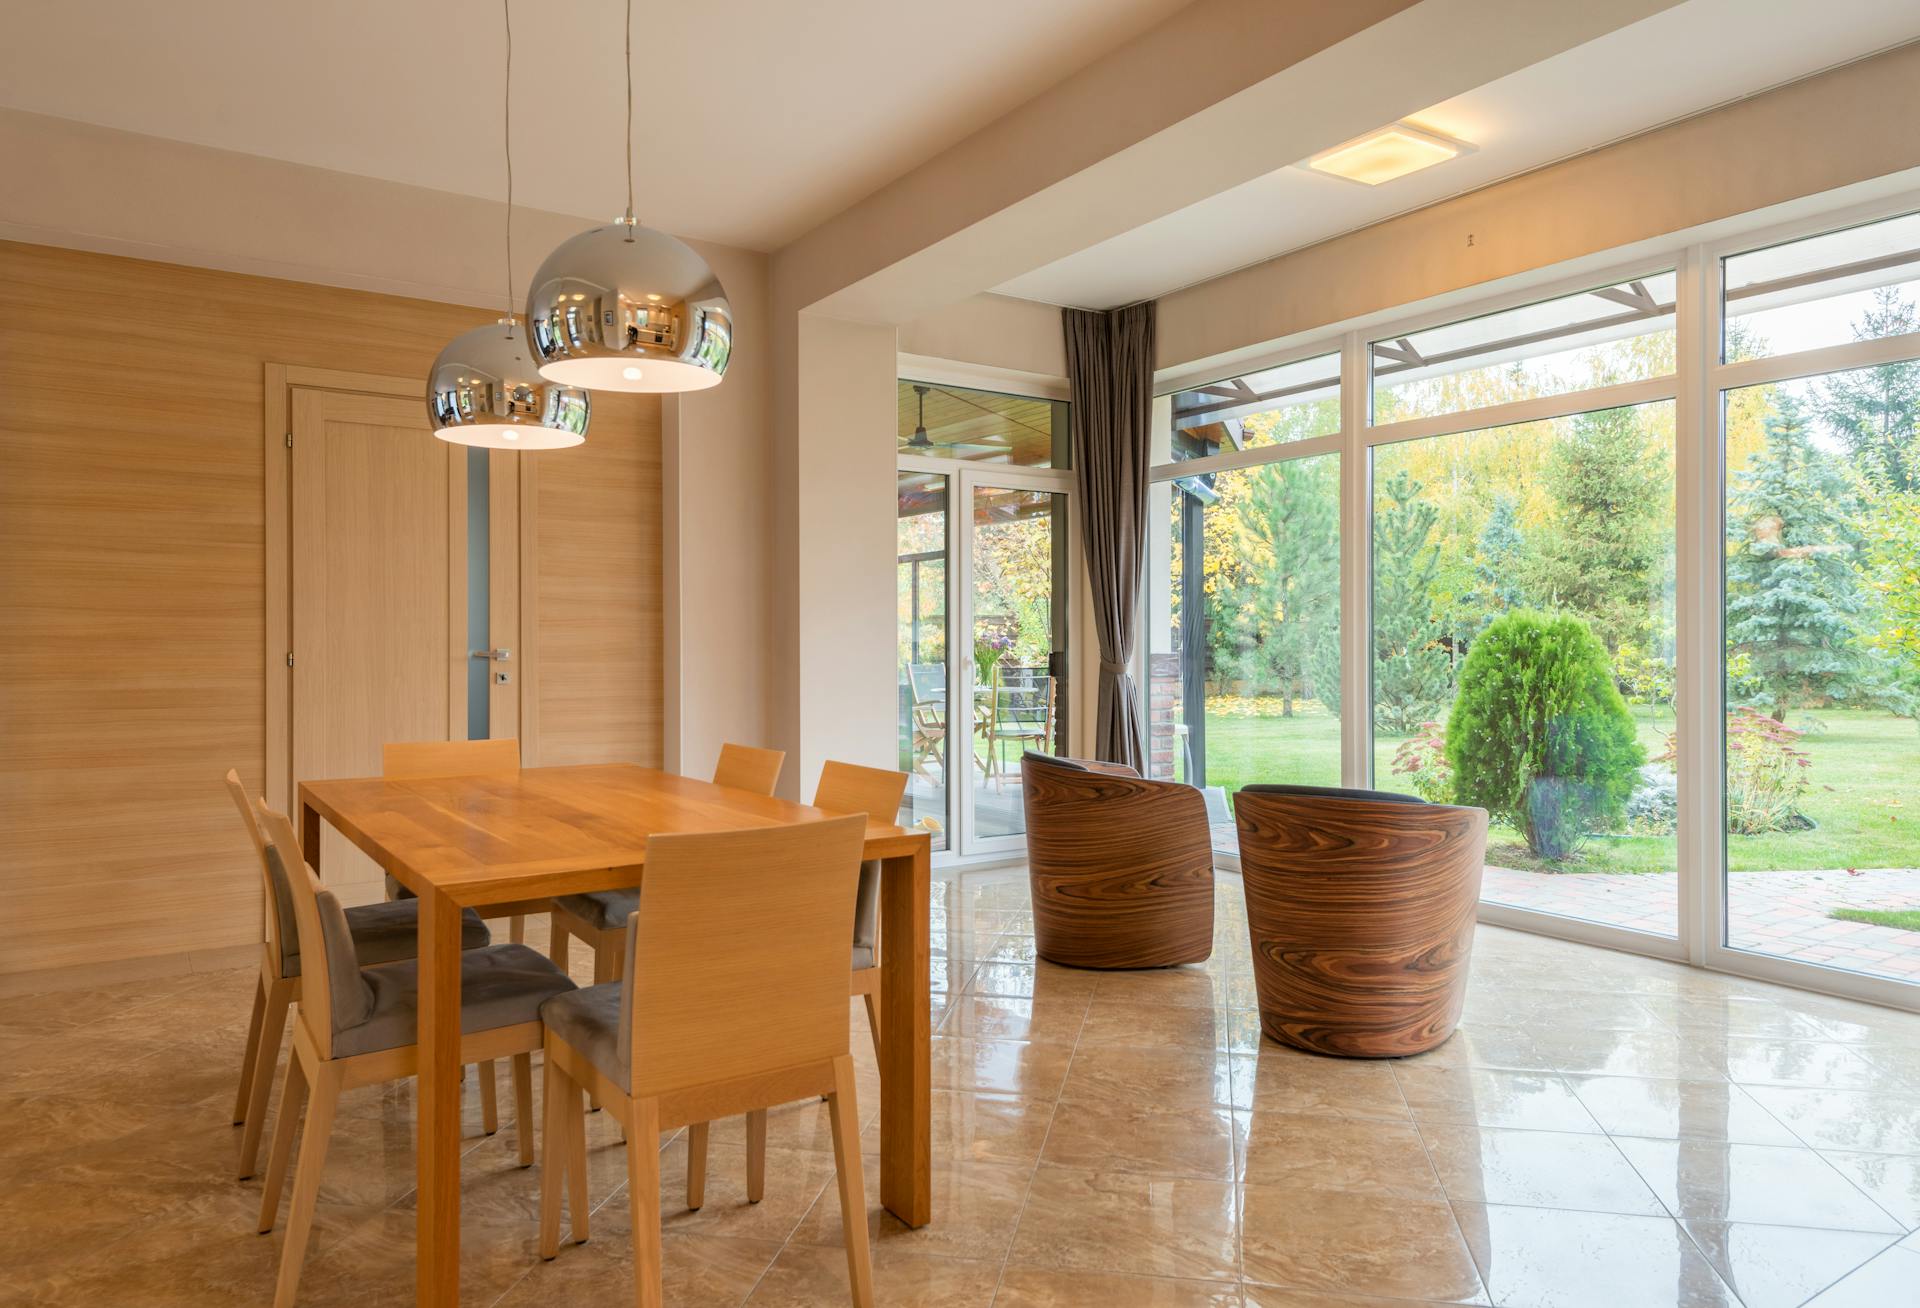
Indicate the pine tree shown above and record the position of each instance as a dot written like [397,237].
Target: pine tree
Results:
[1792,590]
[1284,535]
[1612,499]
[1499,560]
[1412,677]
[1875,411]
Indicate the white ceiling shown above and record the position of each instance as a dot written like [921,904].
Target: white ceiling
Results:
[756,119]
[1676,63]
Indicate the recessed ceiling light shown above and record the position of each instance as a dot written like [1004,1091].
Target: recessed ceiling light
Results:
[1393,151]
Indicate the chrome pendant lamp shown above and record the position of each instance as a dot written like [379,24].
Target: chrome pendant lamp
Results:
[485,388]
[627,308]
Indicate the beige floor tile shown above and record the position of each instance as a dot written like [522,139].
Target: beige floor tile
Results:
[809,1277]
[1112,1021]
[1538,1169]
[1888,1280]
[1858,1120]
[1549,1256]
[1355,1244]
[1678,1110]
[1171,1078]
[1890,1180]
[795,1178]
[1274,1296]
[1782,1266]
[999,1017]
[1017,1067]
[697,1271]
[1128,1223]
[1312,1152]
[1612,1053]
[1031,981]
[1287,1080]
[1041,1287]
[1139,1137]
[1754,1183]
[976,1207]
[1482,1044]
[1765,1060]
[1537,1101]
[981,1128]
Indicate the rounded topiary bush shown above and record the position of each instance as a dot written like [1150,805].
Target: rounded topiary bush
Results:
[1539,736]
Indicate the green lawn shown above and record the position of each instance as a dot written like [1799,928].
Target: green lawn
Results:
[1864,766]
[1903,919]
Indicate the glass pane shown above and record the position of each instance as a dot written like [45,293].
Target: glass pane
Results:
[1523,646]
[1019,646]
[1244,631]
[1293,402]
[953,422]
[1856,285]
[1601,337]
[1823,669]
[921,581]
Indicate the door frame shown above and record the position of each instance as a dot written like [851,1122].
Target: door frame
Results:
[510,501]
[962,479]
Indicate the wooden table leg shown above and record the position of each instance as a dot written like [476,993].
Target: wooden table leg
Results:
[310,837]
[438,1150]
[906,1049]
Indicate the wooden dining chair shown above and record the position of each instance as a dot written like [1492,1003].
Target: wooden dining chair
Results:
[844,788]
[382,933]
[357,1027]
[707,1023]
[598,919]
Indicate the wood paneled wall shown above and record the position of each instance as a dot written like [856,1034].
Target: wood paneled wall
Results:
[132,596]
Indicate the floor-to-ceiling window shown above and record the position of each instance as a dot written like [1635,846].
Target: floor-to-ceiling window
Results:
[1242,648]
[1821,594]
[1522,534]
[984,573]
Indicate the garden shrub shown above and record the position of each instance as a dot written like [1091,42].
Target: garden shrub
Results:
[1422,760]
[1539,735]
[1767,775]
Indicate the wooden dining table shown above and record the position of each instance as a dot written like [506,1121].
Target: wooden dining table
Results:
[507,837]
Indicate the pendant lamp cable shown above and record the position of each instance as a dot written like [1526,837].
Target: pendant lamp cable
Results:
[506,114]
[629,34]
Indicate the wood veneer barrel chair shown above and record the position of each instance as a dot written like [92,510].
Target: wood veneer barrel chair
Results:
[599,919]
[843,788]
[1361,908]
[1121,867]
[709,1022]
[382,933]
[357,1027]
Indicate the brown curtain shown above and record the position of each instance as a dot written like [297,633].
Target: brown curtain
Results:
[1110,374]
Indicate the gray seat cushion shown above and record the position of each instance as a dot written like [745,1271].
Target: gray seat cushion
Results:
[604,910]
[589,1020]
[501,985]
[382,933]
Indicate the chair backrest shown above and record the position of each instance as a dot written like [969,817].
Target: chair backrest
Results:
[850,788]
[1022,695]
[928,682]
[333,994]
[280,929]
[742,767]
[737,955]
[448,758]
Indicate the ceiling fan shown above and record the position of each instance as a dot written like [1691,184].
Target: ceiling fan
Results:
[920,441]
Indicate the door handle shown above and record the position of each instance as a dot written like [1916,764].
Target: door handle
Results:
[496,655]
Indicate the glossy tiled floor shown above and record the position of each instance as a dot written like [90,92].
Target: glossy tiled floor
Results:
[1604,1130]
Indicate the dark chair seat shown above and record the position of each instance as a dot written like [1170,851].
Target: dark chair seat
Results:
[382,933]
[501,985]
[604,910]
[589,1020]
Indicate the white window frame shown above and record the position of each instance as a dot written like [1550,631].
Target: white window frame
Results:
[1695,387]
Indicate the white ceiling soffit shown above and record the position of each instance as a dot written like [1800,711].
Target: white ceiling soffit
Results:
[1673,64]
[754,120]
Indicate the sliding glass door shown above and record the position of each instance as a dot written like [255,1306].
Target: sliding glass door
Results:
[985,582]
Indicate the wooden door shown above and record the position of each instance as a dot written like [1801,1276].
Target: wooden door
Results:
[378,594]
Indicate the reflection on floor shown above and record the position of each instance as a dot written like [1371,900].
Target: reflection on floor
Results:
[1604,1130]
